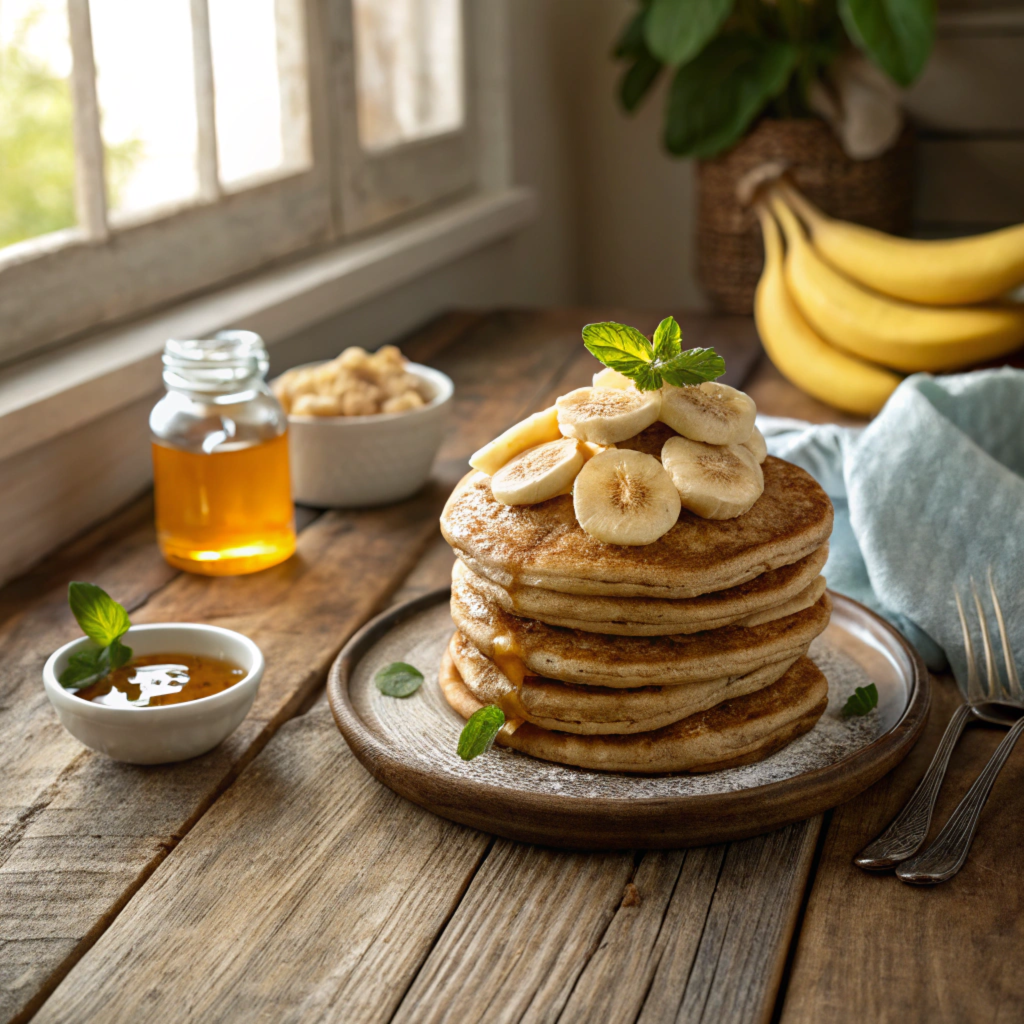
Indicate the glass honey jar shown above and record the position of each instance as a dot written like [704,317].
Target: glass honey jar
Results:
[220,459]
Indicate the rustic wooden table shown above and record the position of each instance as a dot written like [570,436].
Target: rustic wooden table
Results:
[274,879]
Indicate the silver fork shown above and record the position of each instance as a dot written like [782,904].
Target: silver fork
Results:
[995,704]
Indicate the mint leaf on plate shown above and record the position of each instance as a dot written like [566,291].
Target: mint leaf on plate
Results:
[477,736]
[398,679]
[102,619]
[862,700]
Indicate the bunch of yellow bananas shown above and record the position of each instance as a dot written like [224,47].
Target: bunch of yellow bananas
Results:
[844,306]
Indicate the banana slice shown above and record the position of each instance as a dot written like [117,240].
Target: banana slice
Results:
[712,413]
[534,430]
[714,481]
[607,415]
[609,378]
[757,446]
[539,473]
[625,497]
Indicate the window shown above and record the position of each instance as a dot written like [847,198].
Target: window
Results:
[153,150]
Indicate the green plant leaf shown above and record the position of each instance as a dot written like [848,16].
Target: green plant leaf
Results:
[85,667]
[638,79]
[677,30]
[102,619]
[398,679]
[118,654]
[862,700]
[668,339]
[477,736]
[714,99]
[619,346]
[625,349]
[694,366]
[631,40]
[896,34]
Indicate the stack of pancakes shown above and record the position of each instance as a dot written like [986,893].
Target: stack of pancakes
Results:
[688,654]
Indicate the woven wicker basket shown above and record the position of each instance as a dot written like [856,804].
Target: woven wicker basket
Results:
[873,192]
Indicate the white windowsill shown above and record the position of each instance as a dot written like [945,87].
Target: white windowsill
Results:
[55,393]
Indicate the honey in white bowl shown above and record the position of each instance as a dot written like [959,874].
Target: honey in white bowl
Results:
[154,680]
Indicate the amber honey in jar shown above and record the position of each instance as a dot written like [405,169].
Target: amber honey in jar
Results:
[220,459]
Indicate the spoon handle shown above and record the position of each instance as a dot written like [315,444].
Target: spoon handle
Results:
[946,856]
[906,833]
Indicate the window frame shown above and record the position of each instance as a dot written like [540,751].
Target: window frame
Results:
[57,287]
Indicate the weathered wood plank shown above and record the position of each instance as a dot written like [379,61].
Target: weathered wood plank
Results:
[692,935]
[517,943]
[300,613]
[874,949]
[312,892]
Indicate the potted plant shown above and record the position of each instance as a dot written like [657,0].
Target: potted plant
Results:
[811,83]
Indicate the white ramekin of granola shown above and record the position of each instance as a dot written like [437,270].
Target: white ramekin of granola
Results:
[364,428]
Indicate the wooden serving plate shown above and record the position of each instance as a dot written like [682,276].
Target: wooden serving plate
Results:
[409,744]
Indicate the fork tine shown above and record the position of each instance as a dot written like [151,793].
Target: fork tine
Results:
[994,687]
[1012,679]
[973,681]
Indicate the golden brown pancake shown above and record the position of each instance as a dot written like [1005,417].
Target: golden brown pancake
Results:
[768,596]
[732,733]
[594,659]
[598,710]
[544,546]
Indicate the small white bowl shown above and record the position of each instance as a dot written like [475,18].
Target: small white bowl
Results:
[355,461]
[171,732]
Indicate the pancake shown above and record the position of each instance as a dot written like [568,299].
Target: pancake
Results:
[593,659]
[544,546]
[768,596]
[735,732]
[598,710]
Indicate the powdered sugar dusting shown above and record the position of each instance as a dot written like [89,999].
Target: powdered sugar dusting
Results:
[425,728]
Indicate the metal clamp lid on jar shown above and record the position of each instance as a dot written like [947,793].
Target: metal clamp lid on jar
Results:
[216,364]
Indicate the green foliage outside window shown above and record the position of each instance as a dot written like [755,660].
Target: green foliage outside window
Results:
[37,157]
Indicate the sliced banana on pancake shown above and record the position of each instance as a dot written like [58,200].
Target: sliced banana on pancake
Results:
[714,481]
[609,378]
[625,497]
[607,415]
[712,413]
[534,430]
[539,473]
[757,446]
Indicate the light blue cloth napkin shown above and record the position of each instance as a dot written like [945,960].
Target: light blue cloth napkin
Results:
[930,493]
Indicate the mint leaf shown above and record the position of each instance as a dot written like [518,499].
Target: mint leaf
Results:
[118,654]
[398,679]
[477,736]
[85,667]
[694,366]
[668,339]
[102,619]
[862,700]
[621,347]
[625,349]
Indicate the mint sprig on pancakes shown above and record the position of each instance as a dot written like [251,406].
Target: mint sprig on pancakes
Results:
[648,364]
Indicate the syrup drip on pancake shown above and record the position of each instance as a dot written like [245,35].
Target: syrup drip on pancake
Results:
[506,657]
